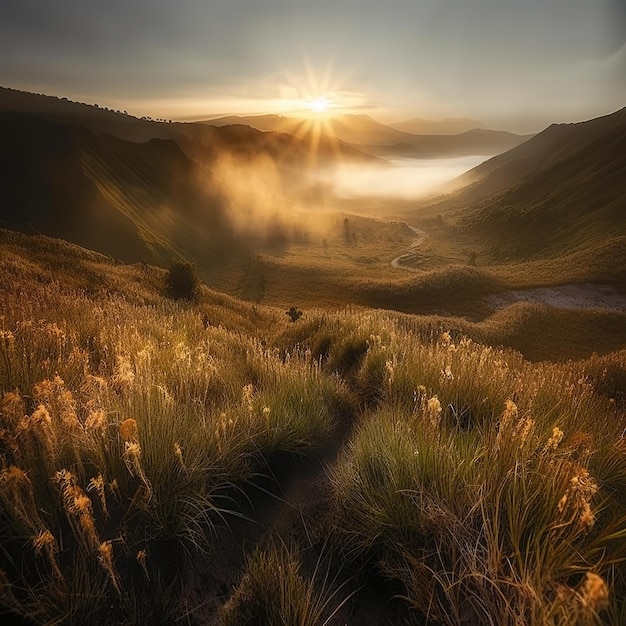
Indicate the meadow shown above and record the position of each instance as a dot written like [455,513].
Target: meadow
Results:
[212,462]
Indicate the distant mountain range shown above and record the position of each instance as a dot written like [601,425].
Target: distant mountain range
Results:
[449,126]
[372,137]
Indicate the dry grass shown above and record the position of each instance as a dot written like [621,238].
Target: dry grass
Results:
[487,488]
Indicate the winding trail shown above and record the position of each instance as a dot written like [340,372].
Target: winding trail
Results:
[414,246]
[569,296]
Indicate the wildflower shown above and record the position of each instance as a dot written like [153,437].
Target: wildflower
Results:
[46,542]
[59,400]
[510,409]
[43,539]
[523,429]
[78,510]
[594,593]
[12,406]
[141,557]
[553,442]
[16,490]
[7,337]
[587,518]
[132,459]
[248,391]
[105,557]
[128,430]
[433,412]
[123,376]
[577,499]
[178,453]
[97,484]
[41,416]
[390,371]
[96,421]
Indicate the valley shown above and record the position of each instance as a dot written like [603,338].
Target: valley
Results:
[234,393]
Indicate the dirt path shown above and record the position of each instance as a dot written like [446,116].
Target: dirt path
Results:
[572,296]
[581,296]
[414,250]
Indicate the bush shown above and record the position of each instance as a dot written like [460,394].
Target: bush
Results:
[182,281]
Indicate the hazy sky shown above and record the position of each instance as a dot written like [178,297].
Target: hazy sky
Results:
[533,61]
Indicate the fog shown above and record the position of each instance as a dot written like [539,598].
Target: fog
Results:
[259,202]
[402,178]
[263,204]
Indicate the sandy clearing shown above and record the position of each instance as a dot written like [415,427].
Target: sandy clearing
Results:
[572,296]
[580,296]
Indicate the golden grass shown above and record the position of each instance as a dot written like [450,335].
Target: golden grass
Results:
[488,488]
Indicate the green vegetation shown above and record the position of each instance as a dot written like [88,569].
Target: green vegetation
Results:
[141,448]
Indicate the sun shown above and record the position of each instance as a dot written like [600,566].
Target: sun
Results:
[319,105]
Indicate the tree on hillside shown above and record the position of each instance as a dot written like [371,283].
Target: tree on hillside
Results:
[182,281]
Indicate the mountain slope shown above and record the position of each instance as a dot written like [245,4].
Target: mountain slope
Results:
[125,199]
[555,144]
[563,190]
[197,140]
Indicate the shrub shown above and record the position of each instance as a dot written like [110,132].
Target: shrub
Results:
[182,281]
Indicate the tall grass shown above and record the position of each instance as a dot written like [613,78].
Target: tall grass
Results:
[487,509]
[486,488]
[124,427]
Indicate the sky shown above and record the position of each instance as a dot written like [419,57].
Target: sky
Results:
[511,64]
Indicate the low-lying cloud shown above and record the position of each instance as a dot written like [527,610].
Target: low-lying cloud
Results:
[402,178]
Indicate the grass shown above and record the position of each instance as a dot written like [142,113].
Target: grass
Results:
[138,444]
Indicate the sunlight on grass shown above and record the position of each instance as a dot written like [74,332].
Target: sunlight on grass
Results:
[134,433]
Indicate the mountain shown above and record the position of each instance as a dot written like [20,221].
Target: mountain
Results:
[365,133]
[139,188]
[198,140]
[560,191]
[92,117]
[449,126]
[129,200]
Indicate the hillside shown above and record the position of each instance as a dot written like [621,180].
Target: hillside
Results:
[568,191]
[379,139]
[93,117]
[130,200]
[559,192]
[165,461]
[198,141]
[138,189]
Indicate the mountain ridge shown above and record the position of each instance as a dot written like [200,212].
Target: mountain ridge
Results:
[364,132]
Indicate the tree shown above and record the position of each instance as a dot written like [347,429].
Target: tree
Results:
[182,281]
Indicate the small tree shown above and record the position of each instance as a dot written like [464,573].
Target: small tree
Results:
[294,314]
[182,282]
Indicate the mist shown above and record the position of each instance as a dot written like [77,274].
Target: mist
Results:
[260,202]
[264,204]
[402,178]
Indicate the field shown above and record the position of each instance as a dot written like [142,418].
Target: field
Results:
[212,462]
